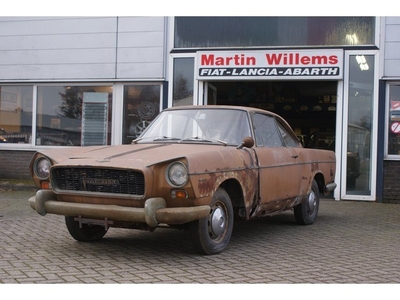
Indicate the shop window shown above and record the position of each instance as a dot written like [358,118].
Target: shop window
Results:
[393,136]
[141,106]
[195,32]
[73,115]
[360,124]
[16,114]
[183,81]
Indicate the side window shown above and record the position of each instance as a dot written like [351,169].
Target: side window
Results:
[288,138]
[266,131]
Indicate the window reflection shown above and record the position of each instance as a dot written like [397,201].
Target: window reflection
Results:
[194,32]
[73,115]
[183,81]
[266,131]
[141,106]
[359,130]
[16,114]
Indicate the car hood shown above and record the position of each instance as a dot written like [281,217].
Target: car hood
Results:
[137,156]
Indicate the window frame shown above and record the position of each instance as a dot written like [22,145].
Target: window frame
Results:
[121,132]
[388,156]
[259,135]
[351,43]
[172,58]
[21,146]
[110,131]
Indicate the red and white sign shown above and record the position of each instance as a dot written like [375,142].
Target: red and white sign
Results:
[395,105]
[271,64]
[395,127]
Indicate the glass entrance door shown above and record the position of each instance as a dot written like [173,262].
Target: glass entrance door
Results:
[210,94]
[358,170]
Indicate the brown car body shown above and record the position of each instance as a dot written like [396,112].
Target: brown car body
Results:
[130,186]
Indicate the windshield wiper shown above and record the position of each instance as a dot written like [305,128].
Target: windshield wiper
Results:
[167,138]
[197,139]
[155,138]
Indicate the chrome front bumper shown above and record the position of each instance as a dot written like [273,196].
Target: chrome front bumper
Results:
[153,213]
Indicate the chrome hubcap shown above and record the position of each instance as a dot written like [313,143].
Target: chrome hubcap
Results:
[218,221]
[311,203]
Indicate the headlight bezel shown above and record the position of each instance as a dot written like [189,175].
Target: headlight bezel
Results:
[42,171]
[177,174]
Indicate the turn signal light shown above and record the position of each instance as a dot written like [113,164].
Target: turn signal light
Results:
[179,194]
[45,185]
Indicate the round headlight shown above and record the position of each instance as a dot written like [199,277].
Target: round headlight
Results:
[177,174]
[42,168]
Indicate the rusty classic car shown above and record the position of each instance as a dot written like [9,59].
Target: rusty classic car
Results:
[198,168]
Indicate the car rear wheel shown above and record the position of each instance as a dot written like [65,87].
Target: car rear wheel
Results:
[85,233]
[211,235]
[305,213]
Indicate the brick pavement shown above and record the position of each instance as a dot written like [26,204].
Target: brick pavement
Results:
[351,242]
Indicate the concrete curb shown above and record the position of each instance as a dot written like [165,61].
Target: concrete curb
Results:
[17,185]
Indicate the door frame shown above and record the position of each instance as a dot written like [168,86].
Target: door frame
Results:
[345,122]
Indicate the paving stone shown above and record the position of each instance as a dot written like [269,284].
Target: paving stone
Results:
[351,242]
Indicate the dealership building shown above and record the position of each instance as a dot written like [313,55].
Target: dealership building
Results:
[81,81]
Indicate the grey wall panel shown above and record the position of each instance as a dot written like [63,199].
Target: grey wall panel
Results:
[392,47]
[64,41]
[140,71]
[141,24]
[393,33]
[57,48]
[61,56]
[65,25]
[392,50]
[138,55]
[141,39]
[141,47]
[61,72]
[392,68]
[65,48]
[393,20]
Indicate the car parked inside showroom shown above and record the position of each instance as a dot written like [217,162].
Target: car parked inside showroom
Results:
[197,168]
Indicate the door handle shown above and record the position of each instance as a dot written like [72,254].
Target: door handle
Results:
[295,156]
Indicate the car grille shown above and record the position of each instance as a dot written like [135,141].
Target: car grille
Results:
[113,181]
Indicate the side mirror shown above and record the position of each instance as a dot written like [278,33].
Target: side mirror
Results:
[247,142]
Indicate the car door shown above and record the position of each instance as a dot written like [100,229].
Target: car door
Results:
[277,161]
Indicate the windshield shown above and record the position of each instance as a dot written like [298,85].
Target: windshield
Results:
[199,125]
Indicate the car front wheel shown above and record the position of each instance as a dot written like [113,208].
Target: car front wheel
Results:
[211,235]
[85,233]
[306,212]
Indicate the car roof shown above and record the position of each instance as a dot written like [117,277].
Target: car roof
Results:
[236,107]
